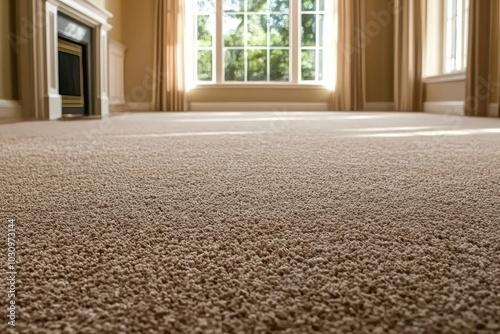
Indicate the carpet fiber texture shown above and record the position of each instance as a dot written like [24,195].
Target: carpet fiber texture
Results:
[254,223]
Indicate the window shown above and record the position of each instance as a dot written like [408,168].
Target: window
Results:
[256,40]
[456,26]
[205,40]
[263,41]
[313,40]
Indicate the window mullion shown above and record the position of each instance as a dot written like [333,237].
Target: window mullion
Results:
[268,51]
[465,28]
[294,42]
[219,43]
[455,28]
[447,41]
[458,47]
[316,49]
[245,43]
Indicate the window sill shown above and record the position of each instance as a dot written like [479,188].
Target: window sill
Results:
[451,77]
[262,86]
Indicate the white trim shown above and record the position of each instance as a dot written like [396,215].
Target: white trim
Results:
[10,108]
[117,46]
[459,76]
[266,85]
[446,107]
[116,59]
[493,110]
[85,10]
[52,97]
[139,106]
[379,106]
[258,106]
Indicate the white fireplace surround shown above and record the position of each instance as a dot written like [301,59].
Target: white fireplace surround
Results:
[37,47]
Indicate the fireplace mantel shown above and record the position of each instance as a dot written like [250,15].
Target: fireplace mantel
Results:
[37,48]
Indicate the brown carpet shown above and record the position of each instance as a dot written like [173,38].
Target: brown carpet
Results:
[254,223]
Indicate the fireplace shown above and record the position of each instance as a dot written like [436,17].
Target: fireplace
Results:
[66,58]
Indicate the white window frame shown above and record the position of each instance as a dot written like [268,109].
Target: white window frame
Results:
[455,22]
[294,56]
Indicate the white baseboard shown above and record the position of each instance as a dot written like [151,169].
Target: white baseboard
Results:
[139,106]
[117,106]
[455,108]
[493,111]
[258,106]
[379,106]
[10,108]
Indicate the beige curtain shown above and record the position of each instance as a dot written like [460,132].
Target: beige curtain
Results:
[408,62]
[349,93]
[478,83]
[169,90]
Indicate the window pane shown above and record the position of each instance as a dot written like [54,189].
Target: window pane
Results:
[308,66]
[308,29]
[320,4]
[205,65]
[234,29]
[234,65]
[204,33]
[233,5]
[320,65]
[257,5]
[205,6]
[321,29]
[280,30]
[308,5]
[282,6]
[280,70]
[257,30]
[257,65]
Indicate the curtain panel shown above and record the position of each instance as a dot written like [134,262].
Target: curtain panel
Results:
[478,78]
[409,54]
[169,85]
[349,93]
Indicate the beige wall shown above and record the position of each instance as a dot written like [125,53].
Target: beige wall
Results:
[8,68]
[445,91]
[379,51]
[138,35]
[100,3]
[256,94]
[115,7]
[245,94]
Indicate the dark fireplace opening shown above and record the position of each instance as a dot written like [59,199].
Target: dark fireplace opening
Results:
[75,67]
[70,74]
[71,77]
